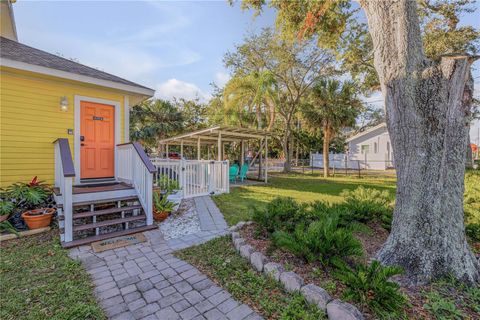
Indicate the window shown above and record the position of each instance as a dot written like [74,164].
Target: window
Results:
[375,147]
[364,148]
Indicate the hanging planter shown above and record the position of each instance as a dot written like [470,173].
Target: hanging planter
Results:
[38,218]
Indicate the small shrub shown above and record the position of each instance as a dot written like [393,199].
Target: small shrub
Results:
[365,205]
[473,231]
[370,286]
[281,214]
[442,308]
[323,240]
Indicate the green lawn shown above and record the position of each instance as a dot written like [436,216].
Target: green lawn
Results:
[236,206]
[221,263]
[39,281]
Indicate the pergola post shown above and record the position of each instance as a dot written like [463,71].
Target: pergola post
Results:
[166,151]
[198,148]
[266,159]
[219,145]
[181,149]
[242,159]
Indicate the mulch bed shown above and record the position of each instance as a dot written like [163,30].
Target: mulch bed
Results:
[319,275]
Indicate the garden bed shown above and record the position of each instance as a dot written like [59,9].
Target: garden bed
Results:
[182,222]
[446,299]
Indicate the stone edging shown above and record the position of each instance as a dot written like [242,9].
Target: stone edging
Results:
[292,282]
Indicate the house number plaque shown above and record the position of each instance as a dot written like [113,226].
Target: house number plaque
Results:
[98,118]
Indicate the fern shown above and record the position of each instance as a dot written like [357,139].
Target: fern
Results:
[370,286]
[365,205]
[321,241]
[281,214]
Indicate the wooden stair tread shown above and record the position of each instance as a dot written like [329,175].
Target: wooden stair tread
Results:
[87,214]
[84,203]
[101,237]
[108,222]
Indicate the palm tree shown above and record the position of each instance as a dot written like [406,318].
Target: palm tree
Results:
[153,120]
[332,106]
[252,92]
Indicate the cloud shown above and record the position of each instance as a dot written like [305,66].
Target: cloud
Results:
[174,88]
[221,78]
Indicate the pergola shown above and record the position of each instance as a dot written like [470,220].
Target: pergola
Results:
[219,136]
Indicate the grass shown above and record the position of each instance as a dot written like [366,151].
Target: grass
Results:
[219,260]
[39,281]
[236,206]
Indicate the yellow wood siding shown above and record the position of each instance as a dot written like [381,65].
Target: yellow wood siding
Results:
[30,120]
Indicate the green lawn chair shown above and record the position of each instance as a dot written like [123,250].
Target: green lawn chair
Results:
[243,172]
[233,172]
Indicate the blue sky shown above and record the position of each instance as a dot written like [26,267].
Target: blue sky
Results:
[174,47]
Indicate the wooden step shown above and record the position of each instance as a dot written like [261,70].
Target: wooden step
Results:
[85,203]
[108,222]
[87,214]
[101,237]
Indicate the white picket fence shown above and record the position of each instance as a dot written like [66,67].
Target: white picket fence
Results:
[194,177]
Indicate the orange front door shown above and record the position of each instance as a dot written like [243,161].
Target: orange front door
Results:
[97,140]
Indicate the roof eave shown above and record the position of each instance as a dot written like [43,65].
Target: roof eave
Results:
[361,134]
[76,77]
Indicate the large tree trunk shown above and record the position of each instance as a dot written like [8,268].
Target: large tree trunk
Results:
[326,147]
[427,105]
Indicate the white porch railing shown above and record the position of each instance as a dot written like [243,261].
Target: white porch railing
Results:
[64,174]
[195,177]
[135,167]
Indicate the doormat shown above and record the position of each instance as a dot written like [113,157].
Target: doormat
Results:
[118,242]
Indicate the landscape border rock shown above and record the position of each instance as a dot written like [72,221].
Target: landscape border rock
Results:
[335,309]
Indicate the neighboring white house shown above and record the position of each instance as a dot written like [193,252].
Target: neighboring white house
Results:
[371,148]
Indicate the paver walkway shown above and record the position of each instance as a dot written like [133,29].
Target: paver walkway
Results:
[212,224]
[145,281]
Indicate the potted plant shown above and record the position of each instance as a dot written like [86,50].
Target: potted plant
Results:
[161,206]
[30,196]
[6,209]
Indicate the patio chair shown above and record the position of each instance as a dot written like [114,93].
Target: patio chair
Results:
[233,172]
[243,172]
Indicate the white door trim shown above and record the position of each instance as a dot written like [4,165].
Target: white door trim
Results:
[76,141]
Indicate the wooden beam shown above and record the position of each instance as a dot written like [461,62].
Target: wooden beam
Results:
[199,149]
[219,146]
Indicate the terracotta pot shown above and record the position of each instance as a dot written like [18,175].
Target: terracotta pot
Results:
[38,218]
[160,215]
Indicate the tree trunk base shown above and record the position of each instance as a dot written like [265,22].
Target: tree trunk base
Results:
[423,265]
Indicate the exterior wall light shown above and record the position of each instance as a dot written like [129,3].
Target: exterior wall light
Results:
[64,104]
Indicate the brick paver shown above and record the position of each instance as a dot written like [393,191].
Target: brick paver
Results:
[145,281]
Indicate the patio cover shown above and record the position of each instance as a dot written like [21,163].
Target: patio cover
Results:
[211,136]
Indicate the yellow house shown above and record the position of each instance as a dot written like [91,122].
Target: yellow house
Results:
[68,124]
[41,100]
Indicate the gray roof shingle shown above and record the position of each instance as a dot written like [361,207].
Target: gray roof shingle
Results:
[16,51]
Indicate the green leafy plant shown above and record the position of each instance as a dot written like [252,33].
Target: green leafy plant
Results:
[323,240]
[442,308]
[6,207]
[29,194]
[281,214]
[369,285]
[367,204]
[161,204]
[168,184]
[473,231]
[7,226]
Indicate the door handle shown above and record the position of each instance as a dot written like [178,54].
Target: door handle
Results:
[82,144]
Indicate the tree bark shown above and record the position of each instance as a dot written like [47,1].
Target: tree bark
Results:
[427,107]
[326,147]
[286,150]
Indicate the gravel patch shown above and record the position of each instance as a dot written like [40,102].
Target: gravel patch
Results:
[181,223]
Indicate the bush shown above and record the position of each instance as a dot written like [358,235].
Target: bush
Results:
[323,240]
[370,286]
[366,205]
[473,231]
[281,214]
